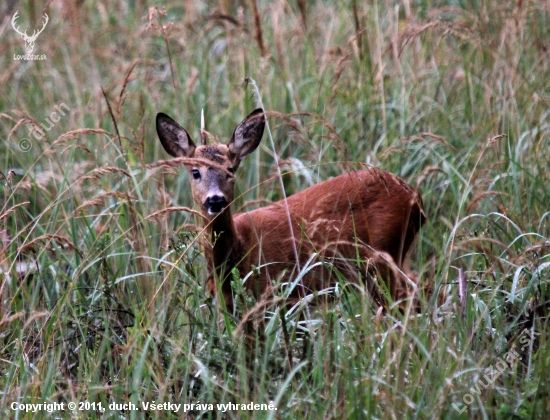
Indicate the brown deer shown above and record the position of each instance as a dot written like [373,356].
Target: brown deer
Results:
[361,223]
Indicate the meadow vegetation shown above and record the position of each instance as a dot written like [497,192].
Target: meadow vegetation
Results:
[101,273]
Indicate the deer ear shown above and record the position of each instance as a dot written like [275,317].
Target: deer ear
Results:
[173,137]
[248,134]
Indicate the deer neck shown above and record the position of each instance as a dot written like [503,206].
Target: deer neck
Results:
[224,243]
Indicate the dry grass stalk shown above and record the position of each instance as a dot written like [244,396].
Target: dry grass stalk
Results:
[112,118]
[7,117]
[427,171]
[480,197]
[77,147]
[176,162]
[100,199]
[95,174]
[121,97]
[277,11]
[409,33]
[174,209]
[358,30]
[218,16]
[421,136]
[34,316]
[25,120]
[61,241]
[258,23]
[12,209]
[257,311]
[340,67]
[189,227]
[302,7]
[462,291]
[6,320]
[7,74]
[74,133]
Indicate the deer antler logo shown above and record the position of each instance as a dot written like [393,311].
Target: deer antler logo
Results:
[29,40]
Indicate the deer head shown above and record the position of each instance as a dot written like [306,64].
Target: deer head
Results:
[212,167]
[29,40]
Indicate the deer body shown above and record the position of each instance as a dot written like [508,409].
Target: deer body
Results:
[361,221]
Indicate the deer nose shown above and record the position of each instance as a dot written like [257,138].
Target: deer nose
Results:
[215,204]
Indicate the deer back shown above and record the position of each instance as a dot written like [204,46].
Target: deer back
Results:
[357,217]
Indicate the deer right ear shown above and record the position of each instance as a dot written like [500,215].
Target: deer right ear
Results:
[248,134]
[173,137]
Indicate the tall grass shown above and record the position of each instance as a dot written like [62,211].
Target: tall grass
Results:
[102,279]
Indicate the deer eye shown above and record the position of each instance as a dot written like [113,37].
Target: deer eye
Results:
[231,170]
[196,174]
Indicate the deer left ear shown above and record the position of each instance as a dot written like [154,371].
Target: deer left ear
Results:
[173,137]
[247,135]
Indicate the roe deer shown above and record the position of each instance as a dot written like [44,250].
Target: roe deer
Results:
[361,223]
